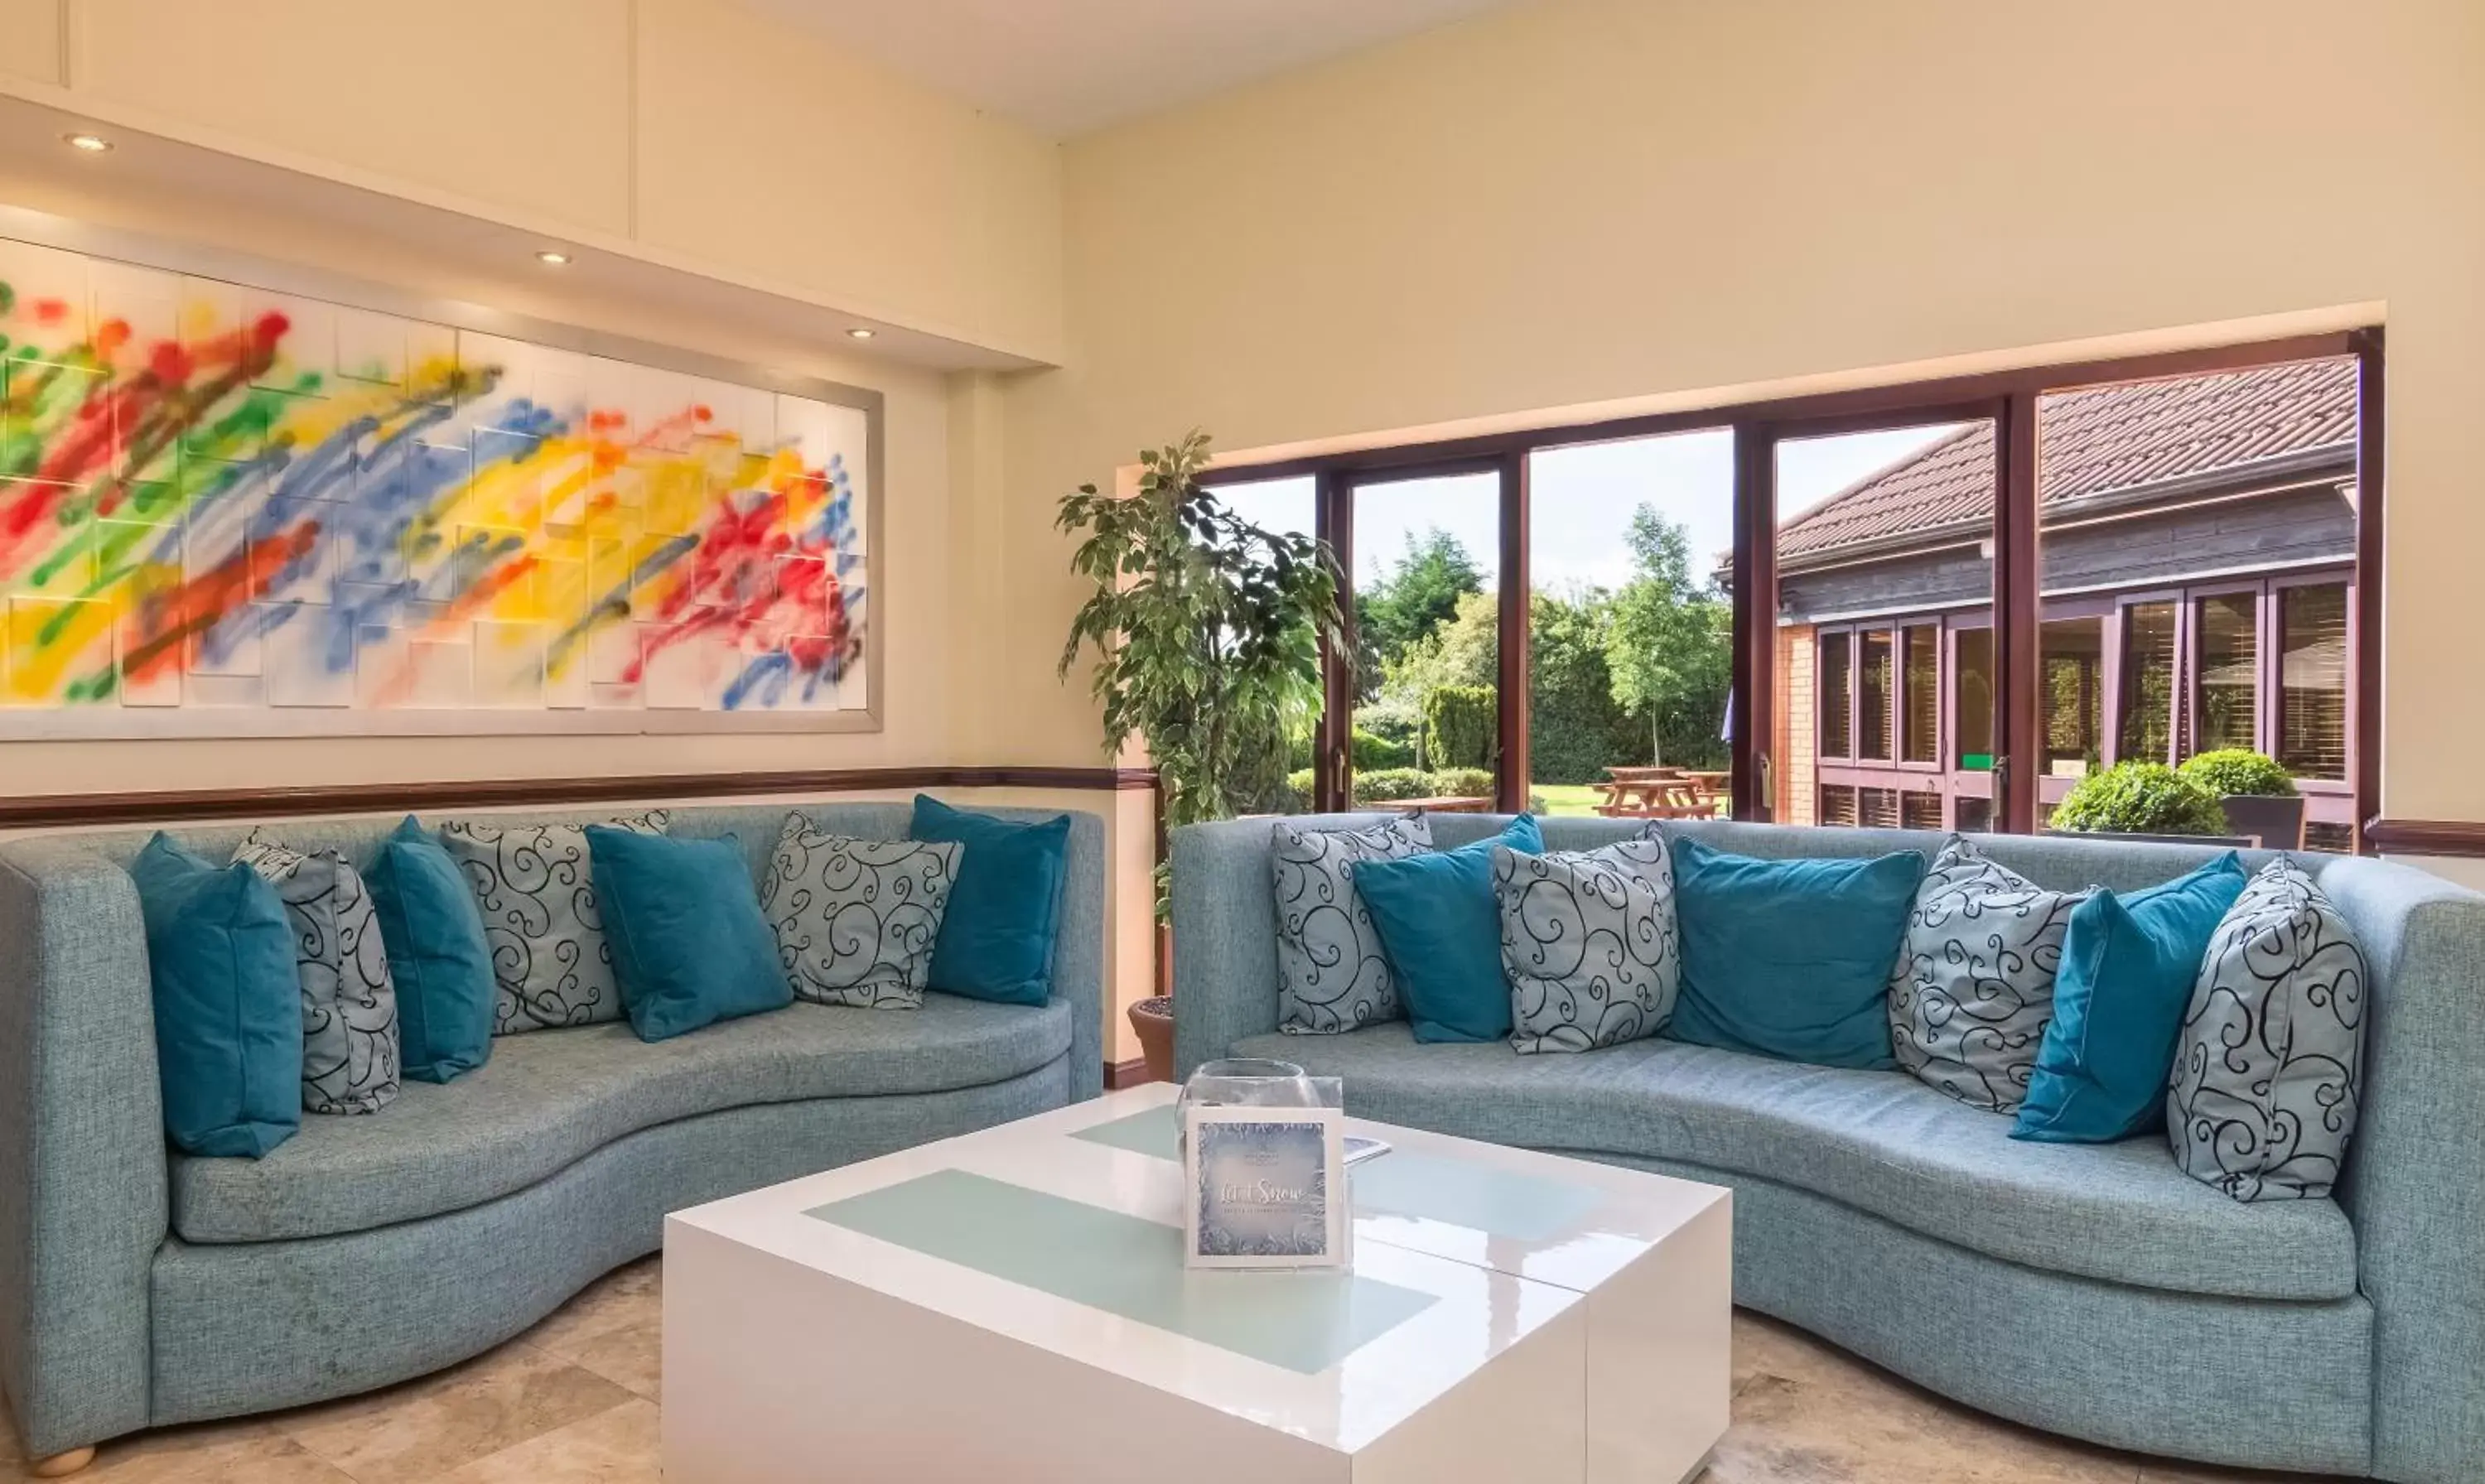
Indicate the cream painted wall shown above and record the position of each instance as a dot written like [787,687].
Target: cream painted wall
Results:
[1584,199]
[761,146]
[31,36]
[695,129]
[523,105]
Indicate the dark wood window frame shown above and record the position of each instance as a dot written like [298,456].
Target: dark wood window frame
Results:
[2008,397]
[1900,725]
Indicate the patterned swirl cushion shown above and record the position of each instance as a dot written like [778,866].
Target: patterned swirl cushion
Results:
[535,886]
[856,919]
[2263,1095]
[1588,943]
[1331,974]
[1974,985]
[349,1034]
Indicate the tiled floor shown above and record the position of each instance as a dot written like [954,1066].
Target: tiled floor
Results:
[573,1401]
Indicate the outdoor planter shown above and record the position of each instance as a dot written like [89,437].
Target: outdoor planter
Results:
[2276,819]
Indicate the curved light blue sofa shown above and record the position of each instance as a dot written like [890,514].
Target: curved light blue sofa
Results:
[2091,1290]
[141,1287]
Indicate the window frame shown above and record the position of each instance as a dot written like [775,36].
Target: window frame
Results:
[2009,397]
[2334,577]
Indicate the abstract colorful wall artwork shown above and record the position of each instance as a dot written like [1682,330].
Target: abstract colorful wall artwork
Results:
[261,513]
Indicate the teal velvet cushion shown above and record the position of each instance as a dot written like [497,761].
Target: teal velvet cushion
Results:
[1789,959]
[228,1006]
[2128,963]
[690,947]
[996,942]
[1441,927]
[436,953]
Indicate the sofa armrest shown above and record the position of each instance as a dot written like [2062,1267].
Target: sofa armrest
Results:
[1224,939]
[2414,1178]
[83,1178]
[1079,952]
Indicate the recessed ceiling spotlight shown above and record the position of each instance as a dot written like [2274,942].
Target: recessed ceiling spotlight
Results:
[92,144]
[859,333]
[551,257]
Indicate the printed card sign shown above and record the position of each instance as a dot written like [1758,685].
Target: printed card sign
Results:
[1265,1188]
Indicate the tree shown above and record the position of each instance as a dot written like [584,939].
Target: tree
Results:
[1669,644]
[1460,652]
[1575,729]
[1420,594]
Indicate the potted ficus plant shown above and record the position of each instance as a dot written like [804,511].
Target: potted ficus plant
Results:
[2257,791]
[1206,631]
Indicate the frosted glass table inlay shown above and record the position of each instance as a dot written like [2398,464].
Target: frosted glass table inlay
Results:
[1012,1305]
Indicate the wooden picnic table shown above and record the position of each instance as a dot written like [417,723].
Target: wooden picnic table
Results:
[1446,804]
[1660,790]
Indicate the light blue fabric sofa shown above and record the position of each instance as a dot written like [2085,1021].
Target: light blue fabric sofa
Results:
[141,1287]
[2093,1290]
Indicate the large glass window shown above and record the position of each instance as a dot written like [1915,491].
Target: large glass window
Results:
[2312,680]
[2073,657]
[1284,786]
[1428,636]
[2148,682]
[2230,670]
[1920,684]
[1631,635]
[1837,693]
[1882,548]
[1872,697]
[1972,700]
[1875,680]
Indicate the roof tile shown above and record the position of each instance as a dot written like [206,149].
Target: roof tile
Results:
[2095,441]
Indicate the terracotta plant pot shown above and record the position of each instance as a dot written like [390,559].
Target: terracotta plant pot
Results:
[1152,1020]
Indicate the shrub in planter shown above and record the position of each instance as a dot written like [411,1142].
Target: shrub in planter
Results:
[1463,783]
[2230,771]
[2143,799]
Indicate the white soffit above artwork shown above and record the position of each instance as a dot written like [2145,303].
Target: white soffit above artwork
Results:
[1067,67]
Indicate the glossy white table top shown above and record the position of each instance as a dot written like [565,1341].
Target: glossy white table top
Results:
[1496,1243]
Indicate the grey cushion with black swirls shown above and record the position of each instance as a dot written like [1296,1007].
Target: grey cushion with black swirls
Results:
[1974,987]
[350,1035]
[1588,943]
[541,920]
[2262,1101]
[856,919]
[1331,975]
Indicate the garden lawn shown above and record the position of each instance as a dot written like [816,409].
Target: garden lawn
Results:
[1567,798]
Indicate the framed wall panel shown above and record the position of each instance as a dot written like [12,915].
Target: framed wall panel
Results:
[240,500]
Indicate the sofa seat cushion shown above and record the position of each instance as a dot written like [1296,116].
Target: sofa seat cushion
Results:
[1878,1141]
[548,1098]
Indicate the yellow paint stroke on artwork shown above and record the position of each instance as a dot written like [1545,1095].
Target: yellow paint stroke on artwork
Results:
[41,659]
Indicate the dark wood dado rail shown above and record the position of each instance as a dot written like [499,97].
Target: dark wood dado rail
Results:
[32,811]
[2427,836]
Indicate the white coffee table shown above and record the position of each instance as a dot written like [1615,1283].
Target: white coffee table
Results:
[1010,1304]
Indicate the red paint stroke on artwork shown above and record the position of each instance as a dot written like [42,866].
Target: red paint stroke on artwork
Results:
[749,581]
[197,605]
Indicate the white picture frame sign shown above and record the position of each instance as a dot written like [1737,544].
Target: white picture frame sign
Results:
[1265,1188]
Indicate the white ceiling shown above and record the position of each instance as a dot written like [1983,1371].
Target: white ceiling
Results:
[1066,67]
